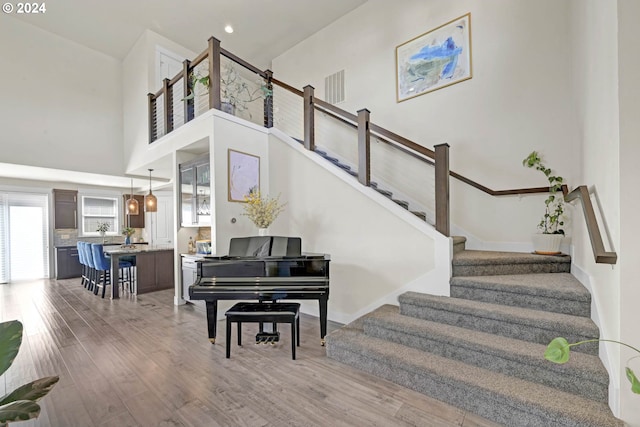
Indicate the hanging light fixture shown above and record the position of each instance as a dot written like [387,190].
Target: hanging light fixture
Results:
[150,201]
[132,207]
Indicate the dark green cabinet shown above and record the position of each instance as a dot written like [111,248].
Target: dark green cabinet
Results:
[65,214]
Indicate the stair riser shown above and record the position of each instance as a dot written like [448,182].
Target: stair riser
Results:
[497,326]
[555,305]
[538,370]
[500,269]
[485,404]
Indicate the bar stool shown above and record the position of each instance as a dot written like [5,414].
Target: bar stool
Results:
[83,279]
[91,269]
[103,268]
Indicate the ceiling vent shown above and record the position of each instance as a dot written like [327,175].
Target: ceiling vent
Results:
[334,88]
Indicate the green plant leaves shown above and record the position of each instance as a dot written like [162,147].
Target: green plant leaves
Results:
[10,340]
[19,411]
[635,384]
[557,351]
[31,391]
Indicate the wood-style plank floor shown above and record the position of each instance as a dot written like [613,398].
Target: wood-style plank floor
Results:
[141,361]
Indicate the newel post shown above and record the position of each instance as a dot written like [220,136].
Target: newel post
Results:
[309,136]
[268,101]
[152,117]
[442,188]
[364,147]
[187,87]
[213,58]
[168,106]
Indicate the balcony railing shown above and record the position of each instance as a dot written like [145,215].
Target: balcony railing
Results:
[206,82]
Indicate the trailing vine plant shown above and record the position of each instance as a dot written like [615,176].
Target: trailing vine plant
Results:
[559,349]
[552,221]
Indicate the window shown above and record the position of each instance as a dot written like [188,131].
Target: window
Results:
[99,209]
[24,245]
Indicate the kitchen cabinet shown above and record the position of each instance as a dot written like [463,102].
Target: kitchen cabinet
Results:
[65,213]
[195,192]
[136,221]
[189,276]
[67,263]
[154,271]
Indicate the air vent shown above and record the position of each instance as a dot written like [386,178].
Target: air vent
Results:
[334,88]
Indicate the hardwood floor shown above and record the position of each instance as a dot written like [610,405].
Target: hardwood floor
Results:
[141,361]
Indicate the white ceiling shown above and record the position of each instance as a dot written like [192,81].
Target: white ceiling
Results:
[264,29]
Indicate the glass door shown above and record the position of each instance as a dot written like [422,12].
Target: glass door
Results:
[186,196]
[203,194]
[24,243]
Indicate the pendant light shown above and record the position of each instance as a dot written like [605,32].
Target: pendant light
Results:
[132,207]
[150,201]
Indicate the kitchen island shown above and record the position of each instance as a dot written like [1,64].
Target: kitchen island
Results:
[154,267]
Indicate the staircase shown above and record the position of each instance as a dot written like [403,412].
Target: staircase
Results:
[482,348]
[346,168]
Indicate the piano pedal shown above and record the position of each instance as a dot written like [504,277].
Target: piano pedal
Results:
[267,337]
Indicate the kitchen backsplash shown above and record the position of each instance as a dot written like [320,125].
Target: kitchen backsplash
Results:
[69,237]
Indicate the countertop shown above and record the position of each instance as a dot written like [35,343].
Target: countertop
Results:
[104,244]
[136,249]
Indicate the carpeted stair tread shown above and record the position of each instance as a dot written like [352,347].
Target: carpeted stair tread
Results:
[474,257]
[558,292]
[487,263]
[504,399]
[526,324]
[402,203]
[383,192]
[583,374]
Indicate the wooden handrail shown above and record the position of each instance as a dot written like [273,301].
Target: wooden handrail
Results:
[599,253]
[212,55]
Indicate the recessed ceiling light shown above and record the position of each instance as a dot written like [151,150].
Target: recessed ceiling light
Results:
[228,29]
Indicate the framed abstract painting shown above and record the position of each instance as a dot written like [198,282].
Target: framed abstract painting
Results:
[244,175]
[433,60]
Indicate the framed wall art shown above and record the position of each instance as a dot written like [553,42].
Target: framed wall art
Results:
[244,174]
[433,60]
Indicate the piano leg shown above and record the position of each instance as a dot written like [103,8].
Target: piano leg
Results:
[323,319]
[212,319]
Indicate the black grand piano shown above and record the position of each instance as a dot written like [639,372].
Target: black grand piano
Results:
[263,268]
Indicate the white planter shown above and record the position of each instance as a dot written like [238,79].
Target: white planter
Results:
[547,244]
[263,231]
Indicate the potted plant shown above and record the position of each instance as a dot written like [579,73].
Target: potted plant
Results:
[127,232]
[20,404]
[235,92]
[262,210]
[548,242]
[559,349]
[103,227]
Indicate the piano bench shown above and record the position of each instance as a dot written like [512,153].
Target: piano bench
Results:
[276,312]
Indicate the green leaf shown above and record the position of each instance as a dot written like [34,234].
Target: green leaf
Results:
[10,340]
[635,384]
[557,351]
[19,411]
[31,391]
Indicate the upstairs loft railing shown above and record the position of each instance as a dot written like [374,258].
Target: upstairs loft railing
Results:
[304,116]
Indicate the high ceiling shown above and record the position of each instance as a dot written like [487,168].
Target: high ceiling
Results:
[263,28]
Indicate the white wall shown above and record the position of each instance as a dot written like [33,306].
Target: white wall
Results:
[597,119]
[518,99]
[139,79]
[629,111]
[378,250]
[61,102]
